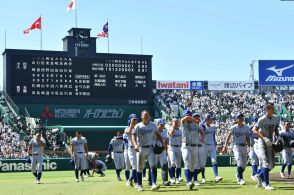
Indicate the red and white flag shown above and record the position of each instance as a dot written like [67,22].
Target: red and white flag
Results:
[104,33]
[37,24]
[71,5]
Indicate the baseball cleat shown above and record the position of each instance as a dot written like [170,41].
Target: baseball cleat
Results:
[173,181]
[242,182]
[166,183]
[237,179]
[155,187]
[203,180]
[196,183]
[282,175]
[136,185]
[263,184]
[190,186]
[253,177]
[218,178]
[289,177]
[38,182]
[131,183]
[178,181]
[140,188]
[268,187]
[77,180]
[145,178]
[127,183]
[119,179]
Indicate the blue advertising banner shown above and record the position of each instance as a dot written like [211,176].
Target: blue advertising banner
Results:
[196,85]
[276,72]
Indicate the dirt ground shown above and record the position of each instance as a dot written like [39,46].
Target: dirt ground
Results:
[277,177]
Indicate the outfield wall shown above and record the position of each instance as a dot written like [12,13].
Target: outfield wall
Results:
[62,164]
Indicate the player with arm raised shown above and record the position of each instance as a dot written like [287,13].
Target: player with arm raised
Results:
[36,148]
[79,153]
[144,136]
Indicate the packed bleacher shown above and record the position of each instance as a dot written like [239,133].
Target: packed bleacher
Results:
[223,105]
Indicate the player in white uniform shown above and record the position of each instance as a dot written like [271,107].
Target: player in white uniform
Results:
[36,148]
[162,158]
[253,151]
[79,153]
[174,151]
[240,133]
[131,150]
[190,144]
[96,165]
[115,148]
[287,135]
[126,159]
[209,149]
[266,127]
[143,136]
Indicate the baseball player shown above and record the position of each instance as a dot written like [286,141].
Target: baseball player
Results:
[96,165]
[115,148]
[174,151]
[240,133]
[287,135]
[190,144]
[79,153]
[162,158]
[131,150]
[36,149]
[144,136]
[126,158]
[209,149]
[266,127]
[253,151]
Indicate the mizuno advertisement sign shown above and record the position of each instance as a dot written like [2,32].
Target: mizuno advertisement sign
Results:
[276,72]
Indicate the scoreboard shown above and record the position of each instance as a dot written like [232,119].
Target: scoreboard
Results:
[50,77]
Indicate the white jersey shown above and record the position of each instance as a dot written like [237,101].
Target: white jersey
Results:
[79,144]
[128,137]
[117,144]
[176,139]
[209,138]
[267,126]
[36,147]
[91,155]
[190,133]
[239,134]
[145,133]
[287,137]
[164,136]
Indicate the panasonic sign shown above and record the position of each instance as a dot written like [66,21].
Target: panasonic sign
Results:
[276,72]
[16,166]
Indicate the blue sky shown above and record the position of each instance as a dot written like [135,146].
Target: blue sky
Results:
[189,39]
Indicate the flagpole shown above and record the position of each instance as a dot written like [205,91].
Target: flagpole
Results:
[41,37]
[108,36]
[141,45]
[76,15]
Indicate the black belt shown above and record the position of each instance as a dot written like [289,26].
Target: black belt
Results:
[241,144]
[193,145]
[209,144]
[199,145]
[131,146]
[176,145]
[117,152]
[80,152]
[147,146]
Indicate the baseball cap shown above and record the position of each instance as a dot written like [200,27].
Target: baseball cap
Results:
[254,119]
[187,112]
[131,116]
[210,116]
[160,121]
[238,115]
[196,114]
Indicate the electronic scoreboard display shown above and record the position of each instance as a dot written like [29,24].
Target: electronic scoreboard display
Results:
[57,78]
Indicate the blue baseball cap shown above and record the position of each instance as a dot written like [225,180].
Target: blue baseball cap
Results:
[160,121]
[131,116]
[238,115]
[187,112]
[210,116]
[196,114]
[254,119]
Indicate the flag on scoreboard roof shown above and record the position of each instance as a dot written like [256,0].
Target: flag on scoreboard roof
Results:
[104,33]
[71,5]
[37,24]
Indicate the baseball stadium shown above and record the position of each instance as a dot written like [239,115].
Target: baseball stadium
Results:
[89,120]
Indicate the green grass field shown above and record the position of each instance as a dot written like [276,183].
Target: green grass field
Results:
[63,182]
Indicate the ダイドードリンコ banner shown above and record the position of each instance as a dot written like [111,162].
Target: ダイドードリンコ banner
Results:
[231,85]
[276,72]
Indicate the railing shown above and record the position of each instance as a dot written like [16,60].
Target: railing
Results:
[10,103]
[6,117]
